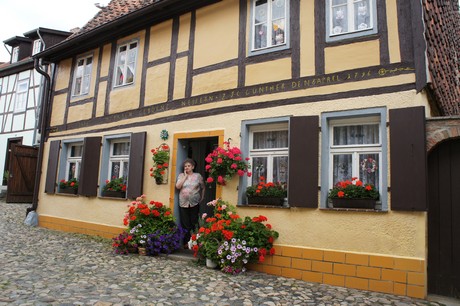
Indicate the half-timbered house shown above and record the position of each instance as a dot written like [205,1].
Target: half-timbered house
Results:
[312,91]
[20,90]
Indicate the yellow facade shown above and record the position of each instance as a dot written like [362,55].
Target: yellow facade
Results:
[380,251]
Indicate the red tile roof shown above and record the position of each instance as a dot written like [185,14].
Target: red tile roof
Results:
[442,22]
[114,10]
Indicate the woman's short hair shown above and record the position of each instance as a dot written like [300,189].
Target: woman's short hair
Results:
[189,161]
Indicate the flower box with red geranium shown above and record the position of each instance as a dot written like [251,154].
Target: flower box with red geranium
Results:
[160,157]
[115,188]
[271,194]
[224,163]
[353,194]
[68,187]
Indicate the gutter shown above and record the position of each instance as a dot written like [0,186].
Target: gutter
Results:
[45,98]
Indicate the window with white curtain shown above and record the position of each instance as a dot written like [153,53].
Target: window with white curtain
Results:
[125,67]
[74,153]
[270,21]
[350,18]
[355,148]
[82,75]
[119,158]
[268,152]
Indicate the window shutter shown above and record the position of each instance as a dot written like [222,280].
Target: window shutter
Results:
[90,166]
[303,162]
[136,165]
[408,159]
[51,171]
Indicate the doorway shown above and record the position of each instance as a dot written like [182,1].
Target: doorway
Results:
[443,219]
[196,149]
[11,142]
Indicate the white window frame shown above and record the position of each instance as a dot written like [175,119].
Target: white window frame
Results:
[81,73]
[351,33]
[118,158]
[22,93]
[354,150]
[123,67]
[268,153]
[15,55]
[73,159]
[346,118]
[270,46]
[37,46]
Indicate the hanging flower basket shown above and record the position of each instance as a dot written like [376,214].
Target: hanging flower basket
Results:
[224,163]
[160,157]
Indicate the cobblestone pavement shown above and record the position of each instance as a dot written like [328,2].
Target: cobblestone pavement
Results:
[44,267]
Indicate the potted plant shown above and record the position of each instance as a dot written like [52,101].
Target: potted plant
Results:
[124,244]
[115,188]
[160,164]
[69,187]
[153,226]
[353,194]
[267,193]
[224,163]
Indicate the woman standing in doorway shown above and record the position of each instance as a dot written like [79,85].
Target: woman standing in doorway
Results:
[191,186]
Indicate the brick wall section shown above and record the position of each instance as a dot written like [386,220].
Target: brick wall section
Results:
[394,275]
[442,22]
[440,129]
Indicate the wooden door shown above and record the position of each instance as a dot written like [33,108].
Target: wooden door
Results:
[444,219]
[21,181]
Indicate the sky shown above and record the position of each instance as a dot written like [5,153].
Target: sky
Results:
[20,16]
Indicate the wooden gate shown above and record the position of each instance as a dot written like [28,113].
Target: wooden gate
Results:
[21,181]
[444,219]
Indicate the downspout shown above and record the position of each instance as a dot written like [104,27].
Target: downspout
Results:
[42,82]
[43,114]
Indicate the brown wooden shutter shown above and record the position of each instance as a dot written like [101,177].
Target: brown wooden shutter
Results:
[136,165]
[303,162]
[90,166]
[408,159]
[51,171]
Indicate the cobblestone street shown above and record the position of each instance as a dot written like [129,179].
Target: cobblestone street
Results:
[43,267]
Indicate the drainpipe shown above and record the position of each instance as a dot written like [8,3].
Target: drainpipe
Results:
[42,85]
[45,98]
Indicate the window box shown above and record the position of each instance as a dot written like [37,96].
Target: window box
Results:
[353,203]
[269,201]
[68,190]
[114,194]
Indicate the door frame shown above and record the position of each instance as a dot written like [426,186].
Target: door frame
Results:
[176,150]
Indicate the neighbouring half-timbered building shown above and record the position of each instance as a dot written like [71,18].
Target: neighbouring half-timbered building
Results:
[20,92]
[312,91]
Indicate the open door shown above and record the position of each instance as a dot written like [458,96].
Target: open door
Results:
[197,149]
[22,168]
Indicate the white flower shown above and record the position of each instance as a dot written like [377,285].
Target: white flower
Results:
[224,206]
[204,215]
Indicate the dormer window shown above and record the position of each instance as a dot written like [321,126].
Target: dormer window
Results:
[37,46]
[15,55]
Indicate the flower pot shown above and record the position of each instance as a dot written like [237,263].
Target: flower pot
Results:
[68,190]
[114,194]
[353,203]
[271,201]
[211,264]
[142,251]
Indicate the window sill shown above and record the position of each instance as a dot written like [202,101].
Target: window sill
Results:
[112,198]
[260,206]
[66,194]
[354,209]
